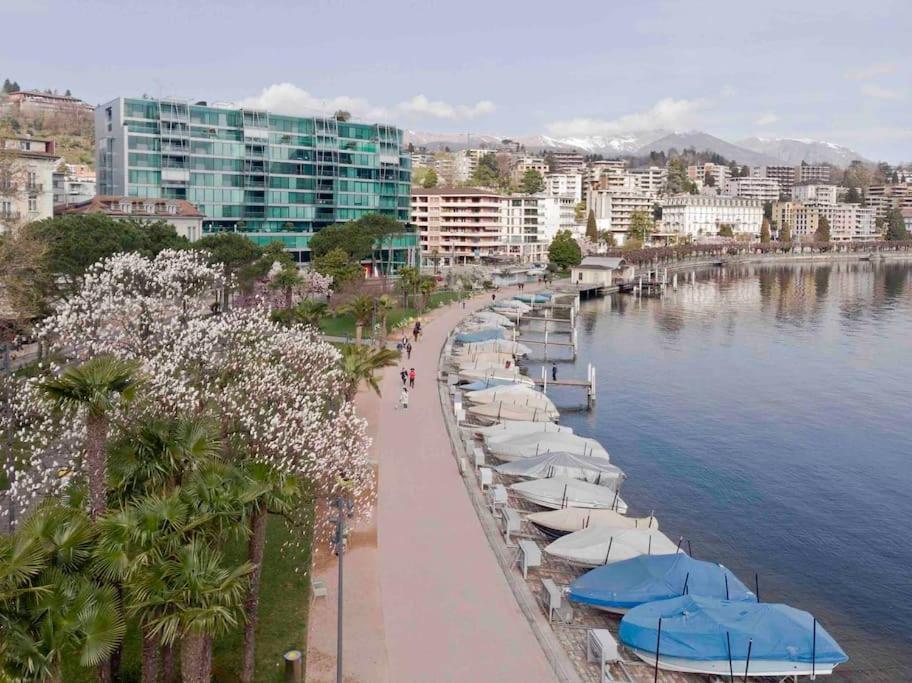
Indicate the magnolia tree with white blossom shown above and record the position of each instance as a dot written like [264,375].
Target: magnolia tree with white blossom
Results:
[276,391]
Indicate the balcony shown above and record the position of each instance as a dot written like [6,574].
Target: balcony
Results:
[12,216]
[34,188]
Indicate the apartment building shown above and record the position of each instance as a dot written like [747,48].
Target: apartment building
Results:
[613,210]
[566,162]
[597,168]
[523,228]
[786,176]
[815,194]
[565,185]
[818,174]
[848,222]
[525,164]
[702,216]
[271,177]
[36,102]
[73,184]
[26,181]
[458,225]
[559,213]
[181,214]
[465,163]
[764,189]
[700,172]
[882,198]
[649,180]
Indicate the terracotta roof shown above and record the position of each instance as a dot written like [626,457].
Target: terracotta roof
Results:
[111,205]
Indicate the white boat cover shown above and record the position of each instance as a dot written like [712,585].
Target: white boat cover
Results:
[522,394]
[511,411]
[574,519]
[562,464]
[527,445]
[492,318]
[508,429]
[513,375]
[483,364]
[514,304]
[487,356]
[498,345]
[559,492]
[600,545]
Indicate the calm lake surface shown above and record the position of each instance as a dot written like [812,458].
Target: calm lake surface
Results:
[765,414]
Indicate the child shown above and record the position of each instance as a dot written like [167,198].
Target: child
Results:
[411,377]
[404,398]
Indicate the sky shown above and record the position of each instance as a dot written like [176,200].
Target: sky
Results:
[833,70]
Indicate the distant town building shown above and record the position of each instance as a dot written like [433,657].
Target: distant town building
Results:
[848,222]
[649,180]
[559,213]
[525,164]
[613,210]
[811,194]
[699,173]
[523,228]
[465,163]
[814,173]
[565,185]
[272,177]
[883,198]
[566,162]
[702,216]
[26,181]
[35,102]
[457,225]
[184,216]
[73,184]
[786,176]
[611,166]
[764,189]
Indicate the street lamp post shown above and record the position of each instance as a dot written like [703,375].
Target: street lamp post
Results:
[344,509]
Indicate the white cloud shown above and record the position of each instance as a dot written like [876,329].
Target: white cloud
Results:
[766,119]
[287,98]
[666,113]
[871,71]
[422,106]
[880,93]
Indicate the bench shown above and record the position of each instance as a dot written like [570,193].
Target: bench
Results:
[498,498]
[529,556]
[317,588]
[512,523]
[485,477]
[601,647]
[554,597]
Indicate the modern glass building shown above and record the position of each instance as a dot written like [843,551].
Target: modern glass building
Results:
[269,176]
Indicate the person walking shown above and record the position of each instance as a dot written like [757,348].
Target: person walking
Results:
[493,297]
[408,350]
[403,375]
[411,377]
[404,398]
[553,372]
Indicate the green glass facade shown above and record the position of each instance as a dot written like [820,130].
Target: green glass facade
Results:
[272,177]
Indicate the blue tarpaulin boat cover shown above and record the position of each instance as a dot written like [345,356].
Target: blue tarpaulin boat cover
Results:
[695,628]
[539,298]
[648,578]
[486,334]
[486,384]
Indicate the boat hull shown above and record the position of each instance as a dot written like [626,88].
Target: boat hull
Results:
[556,504]
[758,667]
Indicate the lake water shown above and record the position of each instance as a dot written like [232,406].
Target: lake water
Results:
[765,414]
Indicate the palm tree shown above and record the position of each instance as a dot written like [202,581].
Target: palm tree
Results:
[288,279]
[311,312]
[192,596]
[427,286]
[360,364]
[98,386]
[51,609]
[361,308]
[385,305]
[274,492]
[409,280]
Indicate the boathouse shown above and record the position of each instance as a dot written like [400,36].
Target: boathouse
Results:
[602,271]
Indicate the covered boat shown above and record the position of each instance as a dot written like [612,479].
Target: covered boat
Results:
[498,345]
[711,636]
[509,374]
[508,429]
[600,545]
[483,364]
[484,384]
[501,410]
[623,585]
[562,464]
[557,523]
[538,298]
[480,335]
[512,393]
[492,357]
[511,305]
[492,318]
[562,492]
[525,446]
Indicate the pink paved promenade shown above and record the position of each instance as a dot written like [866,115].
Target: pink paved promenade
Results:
[425,597]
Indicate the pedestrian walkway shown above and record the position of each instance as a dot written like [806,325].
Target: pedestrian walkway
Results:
[425,597]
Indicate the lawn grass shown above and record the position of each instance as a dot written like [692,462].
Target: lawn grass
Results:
[284,605]
[343,325]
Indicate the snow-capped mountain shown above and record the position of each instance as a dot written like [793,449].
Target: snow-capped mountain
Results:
[792,151]
[753,151]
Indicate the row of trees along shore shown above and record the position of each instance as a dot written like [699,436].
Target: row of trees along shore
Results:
[184,397]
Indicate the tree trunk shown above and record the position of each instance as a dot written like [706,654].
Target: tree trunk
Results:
[151,652]
[359,328]
[104,672]
[288,298]
[169,670]
[96,462]
[252,604]
[196,658]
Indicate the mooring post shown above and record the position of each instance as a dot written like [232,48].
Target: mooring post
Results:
[592,384]
[544,380]
[674,282]
[546,340]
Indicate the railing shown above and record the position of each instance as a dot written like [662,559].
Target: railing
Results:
[34,188]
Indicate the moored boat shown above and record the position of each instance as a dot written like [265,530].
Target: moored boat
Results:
[561,492]
[557,523]
[596,546]
[527,445]
[562,464]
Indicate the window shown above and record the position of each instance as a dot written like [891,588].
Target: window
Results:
[171,208]
[32,205]
[126,207]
